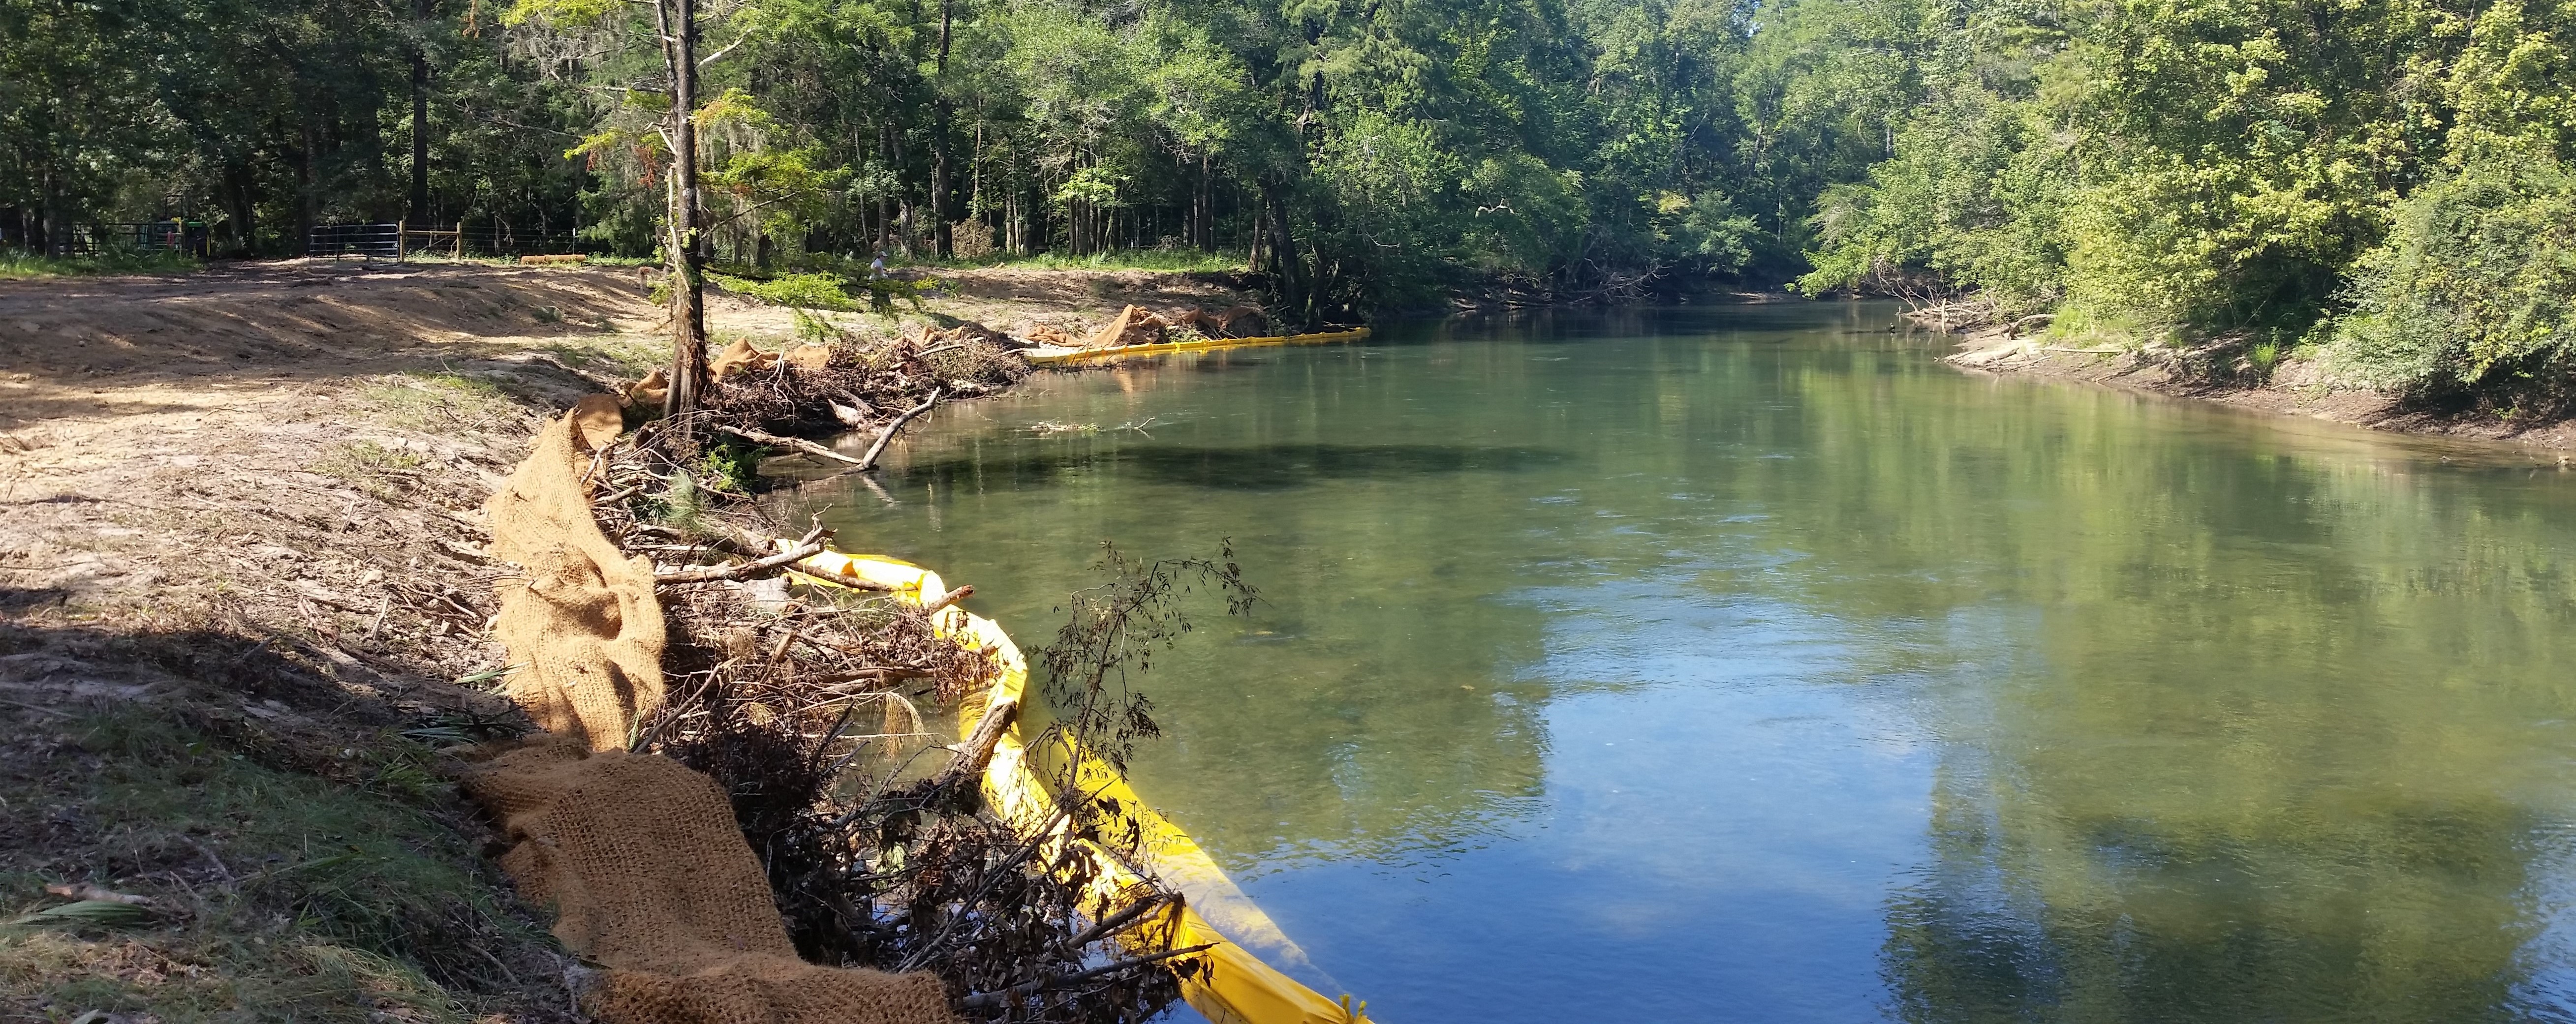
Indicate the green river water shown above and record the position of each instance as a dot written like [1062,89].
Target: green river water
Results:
[1751,664]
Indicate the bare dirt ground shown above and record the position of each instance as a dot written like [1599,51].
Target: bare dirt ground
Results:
[2293,388]
[243,595]
[1008,299]
[240,558]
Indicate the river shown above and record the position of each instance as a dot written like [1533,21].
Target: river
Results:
[1749,663]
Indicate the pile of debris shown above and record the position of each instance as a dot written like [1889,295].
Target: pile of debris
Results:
[675,669]
[1136,325]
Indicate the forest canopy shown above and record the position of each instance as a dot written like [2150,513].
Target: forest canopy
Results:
[2381,181]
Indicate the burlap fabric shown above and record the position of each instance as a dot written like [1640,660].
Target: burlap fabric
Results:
[650,392]
[649,877]
[1134,325]
[582,623]
[739,357]
[809,357]
[966,331]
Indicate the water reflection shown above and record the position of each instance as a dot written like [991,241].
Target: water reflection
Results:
[1259,467]
[1752,664]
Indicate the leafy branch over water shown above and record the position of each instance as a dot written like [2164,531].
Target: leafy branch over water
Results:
[1113,632]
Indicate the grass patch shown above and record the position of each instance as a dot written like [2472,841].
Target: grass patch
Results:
[19,266]
[438,402]
[621,357]
[275,895]
[371,467]
[836,286]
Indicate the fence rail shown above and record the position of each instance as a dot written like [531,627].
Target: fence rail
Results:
[174,235]
[364,241]
[402,240]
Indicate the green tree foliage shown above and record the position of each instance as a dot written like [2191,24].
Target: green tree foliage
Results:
[2478,277]
[1358,156]
[2318,170]
[263,117]
[2381,175]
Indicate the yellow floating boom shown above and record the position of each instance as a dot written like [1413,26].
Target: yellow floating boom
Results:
[1049,356]
[1236,986]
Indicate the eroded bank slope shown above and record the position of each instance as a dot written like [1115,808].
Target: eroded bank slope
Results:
[2292,387]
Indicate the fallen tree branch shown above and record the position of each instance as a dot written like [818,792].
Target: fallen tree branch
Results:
[807,447]
[1023,990]
[1112,924]
[808,547]
[869,461]
[881,674]
[717,542]
[940,603]
[977,751]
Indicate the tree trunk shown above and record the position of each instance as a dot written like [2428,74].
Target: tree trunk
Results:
[1203,211]
[307,190]
[885,215]
[420,116]
[941,244]
[688,282]
[241,211]
[1283,252]
[1260,234]
[50,218]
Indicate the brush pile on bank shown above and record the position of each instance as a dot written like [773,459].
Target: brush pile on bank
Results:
[839,383]
[812,709]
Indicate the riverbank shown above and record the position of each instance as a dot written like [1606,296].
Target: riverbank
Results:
[2291,387]
[244,603]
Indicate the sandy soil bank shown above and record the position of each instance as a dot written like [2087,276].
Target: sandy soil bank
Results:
[2293,388]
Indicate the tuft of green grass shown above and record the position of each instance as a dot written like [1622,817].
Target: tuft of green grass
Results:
[274,895]
[371,467]
[626,357]
[2264,355]
[438,402]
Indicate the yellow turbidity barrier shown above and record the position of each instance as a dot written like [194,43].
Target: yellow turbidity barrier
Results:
[1055,356]
[1237,987]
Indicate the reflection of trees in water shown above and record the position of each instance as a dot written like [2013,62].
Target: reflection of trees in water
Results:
[2263,742]
[2236,724]
[1355,712]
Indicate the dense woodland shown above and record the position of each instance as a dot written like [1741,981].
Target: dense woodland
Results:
[2382,182]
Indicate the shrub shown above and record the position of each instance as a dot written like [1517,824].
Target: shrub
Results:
[2476,278]
[800,291]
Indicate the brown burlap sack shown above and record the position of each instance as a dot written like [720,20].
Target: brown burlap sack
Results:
[967,331]
[1046,335]
[650,392]
[597,420]
[1134,325]
[1198,320]
[739,357]
[648,875]
[582,624]
[810,357]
